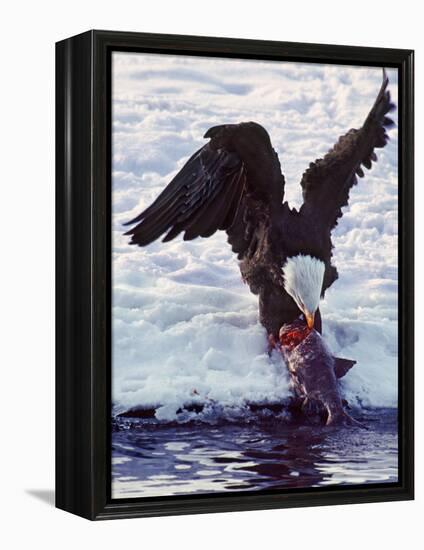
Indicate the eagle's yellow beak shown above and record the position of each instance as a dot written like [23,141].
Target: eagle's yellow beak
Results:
[310,320]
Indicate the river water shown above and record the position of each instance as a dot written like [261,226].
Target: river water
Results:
[154,459]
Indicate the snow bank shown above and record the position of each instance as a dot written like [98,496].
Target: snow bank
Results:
[185,328]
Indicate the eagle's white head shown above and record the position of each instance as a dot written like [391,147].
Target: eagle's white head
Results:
[303,278]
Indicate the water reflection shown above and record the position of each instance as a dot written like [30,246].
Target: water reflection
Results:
[154,460]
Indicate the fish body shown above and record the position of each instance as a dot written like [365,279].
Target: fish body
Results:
[314,370]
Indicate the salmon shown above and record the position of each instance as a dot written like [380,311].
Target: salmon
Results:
[315,371]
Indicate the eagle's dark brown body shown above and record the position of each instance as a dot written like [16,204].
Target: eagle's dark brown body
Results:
[234,183]
[264,233]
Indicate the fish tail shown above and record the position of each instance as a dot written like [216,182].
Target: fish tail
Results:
[340,417]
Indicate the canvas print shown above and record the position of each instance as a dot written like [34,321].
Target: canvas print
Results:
[254,275]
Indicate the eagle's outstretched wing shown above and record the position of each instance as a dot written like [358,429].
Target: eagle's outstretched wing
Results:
[327,181]
[215,187]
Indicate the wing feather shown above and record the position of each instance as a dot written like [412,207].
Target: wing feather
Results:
[327,181]
[206,195]
[186,199]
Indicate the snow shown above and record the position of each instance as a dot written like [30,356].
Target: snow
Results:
[185,327]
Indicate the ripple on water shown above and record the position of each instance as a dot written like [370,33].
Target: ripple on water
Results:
[158,460]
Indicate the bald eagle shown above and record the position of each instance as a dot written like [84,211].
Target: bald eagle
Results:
[234,183]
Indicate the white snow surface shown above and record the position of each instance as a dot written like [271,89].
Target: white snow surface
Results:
[185,327]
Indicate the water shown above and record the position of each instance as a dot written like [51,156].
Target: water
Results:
[151,459]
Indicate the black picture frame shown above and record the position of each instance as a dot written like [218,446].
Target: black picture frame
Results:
[83,151]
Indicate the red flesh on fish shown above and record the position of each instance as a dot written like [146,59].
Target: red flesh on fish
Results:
[293,337]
